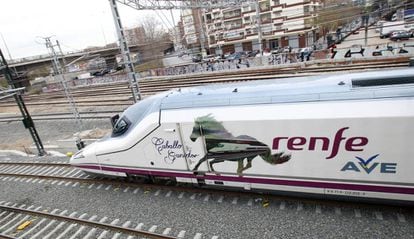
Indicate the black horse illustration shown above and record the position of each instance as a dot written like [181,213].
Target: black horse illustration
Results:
[222,146]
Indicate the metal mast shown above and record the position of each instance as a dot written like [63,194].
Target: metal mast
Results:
[259,26]
[129,66]
[27,119]
[160,5]
[59,73]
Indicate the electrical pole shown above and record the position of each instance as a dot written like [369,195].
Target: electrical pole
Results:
[132,77]
[59,73]
[202,34]
[366,19]
[27,119]
[259,28]
[62,56]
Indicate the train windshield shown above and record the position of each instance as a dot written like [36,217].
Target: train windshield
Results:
[134,114]
[121,126]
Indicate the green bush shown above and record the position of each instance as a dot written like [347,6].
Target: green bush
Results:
[3,83]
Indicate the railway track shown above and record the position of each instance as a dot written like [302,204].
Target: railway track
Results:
[61,173]
[24,221]
[61,223]
[151,86]
[118,95]
[63,116]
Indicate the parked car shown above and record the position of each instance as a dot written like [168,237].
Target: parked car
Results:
[100,72]
[236,56]
[197,58]
[252,53]
[400,35]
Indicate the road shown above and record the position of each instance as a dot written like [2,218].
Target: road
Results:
[373,40]
[173,60]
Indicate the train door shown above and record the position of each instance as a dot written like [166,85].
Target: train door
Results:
[194,146]
[195,150]
[166,149]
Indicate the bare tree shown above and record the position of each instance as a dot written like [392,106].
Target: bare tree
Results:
[155,41]
[153,29]
[337,13]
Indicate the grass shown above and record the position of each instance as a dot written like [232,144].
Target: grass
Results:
[154,64]
[3,83]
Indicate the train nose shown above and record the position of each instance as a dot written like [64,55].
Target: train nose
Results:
[85,158]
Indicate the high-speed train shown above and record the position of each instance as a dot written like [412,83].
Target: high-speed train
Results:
[346,135]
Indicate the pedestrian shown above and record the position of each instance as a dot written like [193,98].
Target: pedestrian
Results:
[333,51]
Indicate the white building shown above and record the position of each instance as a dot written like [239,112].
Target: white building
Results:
[282,22]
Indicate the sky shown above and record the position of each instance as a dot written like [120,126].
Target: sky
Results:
[76,24]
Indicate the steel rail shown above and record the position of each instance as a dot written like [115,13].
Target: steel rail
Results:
[61,113]
[36,164]
[166,84]
[221,74]
[100,225]
[58,118]
[244,72]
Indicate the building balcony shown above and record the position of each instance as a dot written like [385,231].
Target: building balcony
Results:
[231,36]
[232,14]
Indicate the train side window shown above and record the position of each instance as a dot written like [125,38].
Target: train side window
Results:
[121,127]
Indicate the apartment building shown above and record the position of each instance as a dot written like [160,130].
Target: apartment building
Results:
[192,29]
[135,36]
[282,23]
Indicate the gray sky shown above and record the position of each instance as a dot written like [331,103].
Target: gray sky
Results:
[76,24]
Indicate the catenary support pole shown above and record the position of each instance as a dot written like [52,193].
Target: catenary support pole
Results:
[27,119]
[259,27]
[132,77]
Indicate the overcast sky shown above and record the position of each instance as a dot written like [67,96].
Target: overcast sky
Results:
[76,24]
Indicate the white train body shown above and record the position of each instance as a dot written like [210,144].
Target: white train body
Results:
[348,135]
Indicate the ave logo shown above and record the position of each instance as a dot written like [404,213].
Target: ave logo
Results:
[365,165]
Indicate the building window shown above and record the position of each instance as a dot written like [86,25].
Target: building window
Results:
[246,20]
[246,9]
[264,6]
[274,44]
[208,17]
[265,18]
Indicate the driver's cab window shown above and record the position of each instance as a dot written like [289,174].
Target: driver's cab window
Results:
[121,127]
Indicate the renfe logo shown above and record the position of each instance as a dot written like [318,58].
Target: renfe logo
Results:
[298,143]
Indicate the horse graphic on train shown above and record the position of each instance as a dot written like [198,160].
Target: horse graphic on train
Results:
[222,146]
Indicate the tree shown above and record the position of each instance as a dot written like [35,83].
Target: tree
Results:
[155,40]
[337,13]
[153,29]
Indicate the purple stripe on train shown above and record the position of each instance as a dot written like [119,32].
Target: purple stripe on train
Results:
[282,182]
